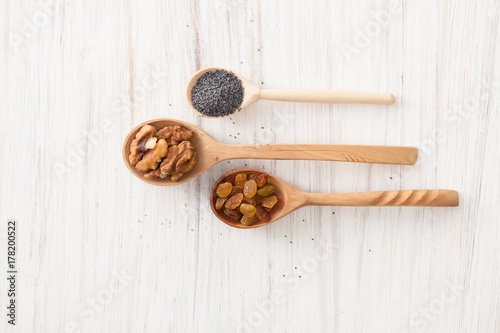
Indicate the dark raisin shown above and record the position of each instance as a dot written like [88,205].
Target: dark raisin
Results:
[262,214]
[232,213]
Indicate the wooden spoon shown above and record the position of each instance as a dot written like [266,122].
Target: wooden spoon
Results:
[253,94]
[291,198]
[211,152]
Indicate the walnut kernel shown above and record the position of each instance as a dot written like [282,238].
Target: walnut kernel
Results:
[174,134]
[153,157]
[142,142]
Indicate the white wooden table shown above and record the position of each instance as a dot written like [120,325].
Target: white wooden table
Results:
[100,251]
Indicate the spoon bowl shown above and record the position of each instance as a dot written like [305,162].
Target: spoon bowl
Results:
[291,198]
[251,91]
[211,152]
[252,94]
[201,140]
[276,213]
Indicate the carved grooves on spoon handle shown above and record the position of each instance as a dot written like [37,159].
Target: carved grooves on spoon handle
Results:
[437,198]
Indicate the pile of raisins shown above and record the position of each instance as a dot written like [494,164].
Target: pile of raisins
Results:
[246,197]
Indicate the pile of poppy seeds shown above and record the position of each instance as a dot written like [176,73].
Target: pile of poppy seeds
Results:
[217,93]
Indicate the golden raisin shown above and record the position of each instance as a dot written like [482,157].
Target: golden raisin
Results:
[270,201]
[260,178]
[266,190]
[236,189]
[250,188]
[245,220]
[240,179]
[234,201]
[262,214]
[220,202]
[224,189]
[247,210]
[232,213]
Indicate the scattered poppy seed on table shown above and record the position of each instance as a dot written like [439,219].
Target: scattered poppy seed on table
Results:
[217,93]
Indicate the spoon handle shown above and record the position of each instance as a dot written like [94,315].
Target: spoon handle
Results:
[343,153]
[437,198]
[328,96]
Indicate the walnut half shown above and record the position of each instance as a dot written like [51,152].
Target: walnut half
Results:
[155,174]
[174,134]
[153,157]
[180,159]
[144,139]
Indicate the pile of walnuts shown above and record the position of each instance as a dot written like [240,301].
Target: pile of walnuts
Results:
[167,152]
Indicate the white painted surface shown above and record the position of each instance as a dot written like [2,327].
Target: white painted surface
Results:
[385,269]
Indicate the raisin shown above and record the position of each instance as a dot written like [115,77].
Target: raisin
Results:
[250,201]
[232,213]
[250,188]
[240,179]
[245,220]
[260,178]
[230,179]
[236,189]
[224,189]
[247,210]
[262,214]
[258,199]
[266,190]
[270,201]
[220,202]
[234,201]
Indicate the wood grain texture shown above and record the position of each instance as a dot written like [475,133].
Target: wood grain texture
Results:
[101,251]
